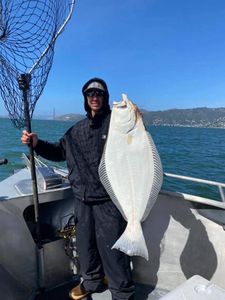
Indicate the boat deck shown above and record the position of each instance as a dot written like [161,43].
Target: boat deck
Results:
[142,292]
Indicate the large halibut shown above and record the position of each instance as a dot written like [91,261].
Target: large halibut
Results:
[131,172]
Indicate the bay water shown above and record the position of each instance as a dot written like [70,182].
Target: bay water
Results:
[195,152]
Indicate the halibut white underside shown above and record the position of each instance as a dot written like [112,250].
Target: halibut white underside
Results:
[131,172]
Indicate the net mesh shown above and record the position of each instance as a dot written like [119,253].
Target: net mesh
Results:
[28,30]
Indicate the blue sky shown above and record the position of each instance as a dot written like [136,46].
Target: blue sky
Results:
[163,53]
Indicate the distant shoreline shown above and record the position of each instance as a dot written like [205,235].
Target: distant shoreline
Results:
[202,117]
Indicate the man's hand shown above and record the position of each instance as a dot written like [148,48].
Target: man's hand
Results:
[27,137]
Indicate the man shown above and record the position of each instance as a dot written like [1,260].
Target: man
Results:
[98,222]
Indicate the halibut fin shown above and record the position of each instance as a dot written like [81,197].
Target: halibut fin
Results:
[157,178]
[106,183]
[132,243]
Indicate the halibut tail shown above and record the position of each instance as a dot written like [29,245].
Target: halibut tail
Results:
[132,241]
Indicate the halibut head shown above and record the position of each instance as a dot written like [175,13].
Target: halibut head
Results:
[131,172]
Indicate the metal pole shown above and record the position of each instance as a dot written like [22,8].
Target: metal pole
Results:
[221,193]
[24,84]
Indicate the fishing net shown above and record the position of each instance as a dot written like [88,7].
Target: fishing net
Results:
[28,31]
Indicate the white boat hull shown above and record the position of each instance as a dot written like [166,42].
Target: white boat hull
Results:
[184,236]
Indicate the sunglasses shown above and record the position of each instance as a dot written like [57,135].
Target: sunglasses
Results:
[95,93]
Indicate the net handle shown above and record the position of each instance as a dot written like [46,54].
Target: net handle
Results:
[24,85]
[54,37]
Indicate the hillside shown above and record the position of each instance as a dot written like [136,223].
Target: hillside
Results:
[194,117]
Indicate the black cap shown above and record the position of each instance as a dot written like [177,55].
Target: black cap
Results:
[96,83]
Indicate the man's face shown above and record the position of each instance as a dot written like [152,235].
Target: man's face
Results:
[95,100]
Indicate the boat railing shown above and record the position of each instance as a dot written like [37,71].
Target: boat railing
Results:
[219,185]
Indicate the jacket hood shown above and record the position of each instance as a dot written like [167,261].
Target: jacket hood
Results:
[100,83]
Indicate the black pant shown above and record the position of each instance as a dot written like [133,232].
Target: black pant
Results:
[98,226]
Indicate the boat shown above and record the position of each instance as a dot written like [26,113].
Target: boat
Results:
[184,234]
